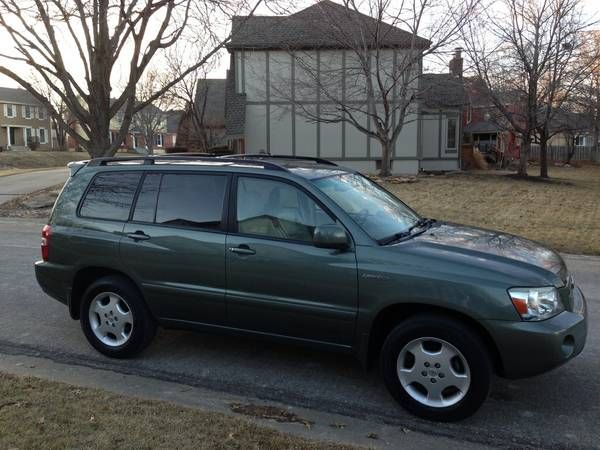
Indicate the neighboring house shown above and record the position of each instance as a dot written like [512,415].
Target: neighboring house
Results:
[202,126]
[164,137]
[259,118]
[23,120]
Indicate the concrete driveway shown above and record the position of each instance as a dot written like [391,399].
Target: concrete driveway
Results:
[560,409]
[12,186]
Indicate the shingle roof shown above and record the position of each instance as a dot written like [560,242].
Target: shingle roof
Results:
[210,100]
[173,119]
[17,96]
[323,25]
[235,107]
[442,90]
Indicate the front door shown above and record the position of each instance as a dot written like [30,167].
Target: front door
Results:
[278,281]
[175,245]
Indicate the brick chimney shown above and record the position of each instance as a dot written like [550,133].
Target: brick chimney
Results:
[456,63]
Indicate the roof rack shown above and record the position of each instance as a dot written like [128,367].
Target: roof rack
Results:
[269,156]
[151,159]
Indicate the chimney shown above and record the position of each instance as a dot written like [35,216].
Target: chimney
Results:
[456,63]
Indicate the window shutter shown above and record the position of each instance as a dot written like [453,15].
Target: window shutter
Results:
[5,110]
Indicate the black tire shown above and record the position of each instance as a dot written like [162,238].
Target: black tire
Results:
[144,325]
[458,335]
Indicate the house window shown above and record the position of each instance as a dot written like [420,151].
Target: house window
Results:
[451,133]
[9,110]
[41,113]
[158,140]
[43,136]
[27,111]
[579,141]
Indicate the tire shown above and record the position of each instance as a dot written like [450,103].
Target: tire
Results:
[452,391]
[115,319]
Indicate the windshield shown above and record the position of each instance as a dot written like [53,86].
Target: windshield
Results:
[375,210]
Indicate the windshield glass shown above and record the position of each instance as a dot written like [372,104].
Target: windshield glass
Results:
[376,211]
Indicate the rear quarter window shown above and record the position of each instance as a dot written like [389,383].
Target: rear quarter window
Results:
[110,196]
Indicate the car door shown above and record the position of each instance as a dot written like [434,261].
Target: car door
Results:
[174,245]
[278,281]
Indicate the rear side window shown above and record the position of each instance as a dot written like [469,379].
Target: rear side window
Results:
[145,206]
[191,200]
[110,196]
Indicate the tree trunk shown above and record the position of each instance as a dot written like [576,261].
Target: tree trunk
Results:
[544,158]
[386,154]
[596,145]
[523,157]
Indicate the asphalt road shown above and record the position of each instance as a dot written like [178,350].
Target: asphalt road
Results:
[560,409]
[12,186]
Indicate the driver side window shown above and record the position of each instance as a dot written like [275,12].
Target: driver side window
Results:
[276,209]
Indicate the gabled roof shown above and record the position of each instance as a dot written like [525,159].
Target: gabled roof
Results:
[210,101]
[173,119]
[442,90]
[313,28]
[17,95]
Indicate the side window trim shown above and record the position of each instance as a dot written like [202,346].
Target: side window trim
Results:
[232,217]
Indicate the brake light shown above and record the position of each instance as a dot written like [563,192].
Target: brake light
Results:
[46,234]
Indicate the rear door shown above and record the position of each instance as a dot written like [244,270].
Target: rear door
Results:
[278,281]
[174,245]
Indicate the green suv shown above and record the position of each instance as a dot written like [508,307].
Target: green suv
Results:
[303,251]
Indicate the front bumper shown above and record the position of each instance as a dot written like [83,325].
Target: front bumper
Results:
[531,348]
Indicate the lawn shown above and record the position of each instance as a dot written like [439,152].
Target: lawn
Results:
[41,414]
[26,160]
[563,213]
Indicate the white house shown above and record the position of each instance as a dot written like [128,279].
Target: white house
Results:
[274,102]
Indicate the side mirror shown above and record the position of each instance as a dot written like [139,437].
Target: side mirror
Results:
[331,236]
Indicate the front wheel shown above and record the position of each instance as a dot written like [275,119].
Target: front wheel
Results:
[115,319]
[436,368]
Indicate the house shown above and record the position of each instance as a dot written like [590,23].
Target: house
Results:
[24,121]
[266,85]
[202,127]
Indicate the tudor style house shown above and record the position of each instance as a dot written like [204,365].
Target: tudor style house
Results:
[268,93]
[24,122]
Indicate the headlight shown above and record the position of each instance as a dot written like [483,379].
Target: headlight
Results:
[536,303]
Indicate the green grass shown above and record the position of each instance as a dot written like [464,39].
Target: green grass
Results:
[38,159]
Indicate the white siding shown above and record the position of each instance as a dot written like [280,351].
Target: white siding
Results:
[256,128]
[406,145]
[280,74]
[356,141]
[255,76]
[430,130]
[331,70]
[306,136]
[305,69]
[281,130]
[331,140]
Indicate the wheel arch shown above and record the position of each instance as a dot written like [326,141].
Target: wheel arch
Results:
[391,315]
[86,276]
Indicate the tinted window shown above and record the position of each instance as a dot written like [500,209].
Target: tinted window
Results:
[276,209]
[145,206]
[110,196]
[191,200]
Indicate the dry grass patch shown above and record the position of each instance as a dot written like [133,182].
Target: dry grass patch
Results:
[38,159]
[563,213]
[41,414]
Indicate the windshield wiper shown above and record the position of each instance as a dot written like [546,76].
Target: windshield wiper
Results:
[421,223]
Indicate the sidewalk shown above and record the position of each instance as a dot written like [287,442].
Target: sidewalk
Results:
[11,186]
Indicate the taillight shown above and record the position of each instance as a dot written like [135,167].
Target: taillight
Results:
[46,234]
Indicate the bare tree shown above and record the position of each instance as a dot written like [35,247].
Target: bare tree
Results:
[152,118]
[376,89]
[528,61]
[78,48]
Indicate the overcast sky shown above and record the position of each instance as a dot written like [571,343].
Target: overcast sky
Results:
[592,9]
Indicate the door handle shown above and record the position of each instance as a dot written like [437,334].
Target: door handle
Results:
[242,250]
[138,236]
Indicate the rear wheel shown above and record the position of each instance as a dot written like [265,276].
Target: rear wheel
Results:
[436,368]
[115,319]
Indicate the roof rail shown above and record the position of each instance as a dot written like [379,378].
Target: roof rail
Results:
[151,159]
[269,156]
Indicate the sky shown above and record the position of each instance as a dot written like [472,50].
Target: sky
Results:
[591,9]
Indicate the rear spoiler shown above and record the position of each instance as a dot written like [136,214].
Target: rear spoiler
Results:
[76,166]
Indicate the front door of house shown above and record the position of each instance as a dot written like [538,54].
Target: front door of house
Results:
[11,136]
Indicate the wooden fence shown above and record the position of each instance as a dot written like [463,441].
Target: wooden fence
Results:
[561,153]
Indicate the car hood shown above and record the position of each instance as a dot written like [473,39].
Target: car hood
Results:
[493,243]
